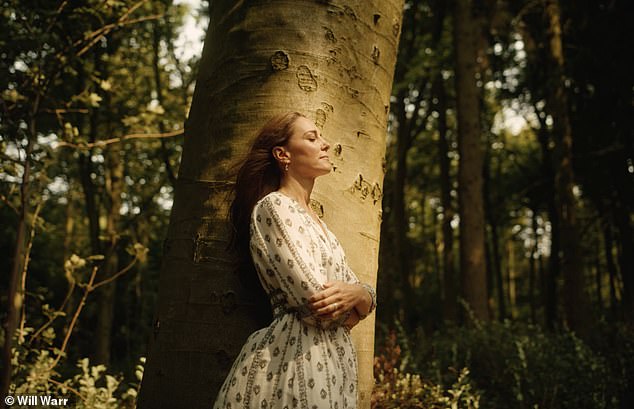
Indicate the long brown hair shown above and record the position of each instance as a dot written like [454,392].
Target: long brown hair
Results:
[257,176]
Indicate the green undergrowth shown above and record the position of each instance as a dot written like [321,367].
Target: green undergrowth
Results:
[506,365]
[87,386]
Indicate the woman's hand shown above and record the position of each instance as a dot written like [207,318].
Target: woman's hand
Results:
[336,299]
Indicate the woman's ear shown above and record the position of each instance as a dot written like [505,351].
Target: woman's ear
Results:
[279,153]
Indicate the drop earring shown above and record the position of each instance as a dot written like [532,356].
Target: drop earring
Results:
[286,167]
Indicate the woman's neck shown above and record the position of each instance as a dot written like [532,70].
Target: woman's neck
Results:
[299,190]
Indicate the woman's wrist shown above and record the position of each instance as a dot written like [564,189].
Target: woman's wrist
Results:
[352,319]
[369,300]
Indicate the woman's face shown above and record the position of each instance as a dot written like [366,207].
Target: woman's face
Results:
[306,150]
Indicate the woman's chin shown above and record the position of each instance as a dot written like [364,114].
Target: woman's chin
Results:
[326,171]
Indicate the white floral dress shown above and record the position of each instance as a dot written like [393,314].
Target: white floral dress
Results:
[298,361]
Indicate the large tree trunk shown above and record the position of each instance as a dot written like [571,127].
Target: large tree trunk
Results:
[472,251]
[260,59]
[575,303]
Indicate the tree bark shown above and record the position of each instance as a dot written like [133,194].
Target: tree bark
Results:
[472,251]
[260,59]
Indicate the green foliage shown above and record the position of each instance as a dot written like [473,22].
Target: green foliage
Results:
[521,366]
[397,388]
[87,386]
[80,75]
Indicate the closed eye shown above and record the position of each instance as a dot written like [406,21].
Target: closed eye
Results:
[311,136]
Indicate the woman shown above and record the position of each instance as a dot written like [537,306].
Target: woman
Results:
[305,358]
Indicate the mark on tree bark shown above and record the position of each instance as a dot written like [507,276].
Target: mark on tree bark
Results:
[228,302]
[361,187]
[337,149]
[322,114]
[320,118]
[205,249]
[332,55]
[364,189]
[350,13]
[376,53]
[396,27]
[352,72]
[354,93]
[305,79]
[279,61]
[330,36]
[377,193]
[377,17]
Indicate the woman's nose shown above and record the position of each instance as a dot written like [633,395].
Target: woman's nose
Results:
[325,145]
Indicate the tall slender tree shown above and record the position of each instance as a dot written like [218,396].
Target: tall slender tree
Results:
[470,199]
[450,281]
[575,303]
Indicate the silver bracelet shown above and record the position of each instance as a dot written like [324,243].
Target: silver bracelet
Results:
[372,293]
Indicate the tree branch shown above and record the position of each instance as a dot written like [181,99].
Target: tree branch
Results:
[123,138]
[27,258]
[4,199]
[115,276]
[73,390]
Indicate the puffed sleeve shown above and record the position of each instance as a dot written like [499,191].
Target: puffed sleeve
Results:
[282,247]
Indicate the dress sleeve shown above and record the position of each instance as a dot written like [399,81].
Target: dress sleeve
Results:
[281,244]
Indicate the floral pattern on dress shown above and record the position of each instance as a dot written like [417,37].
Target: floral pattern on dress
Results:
[299,360]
